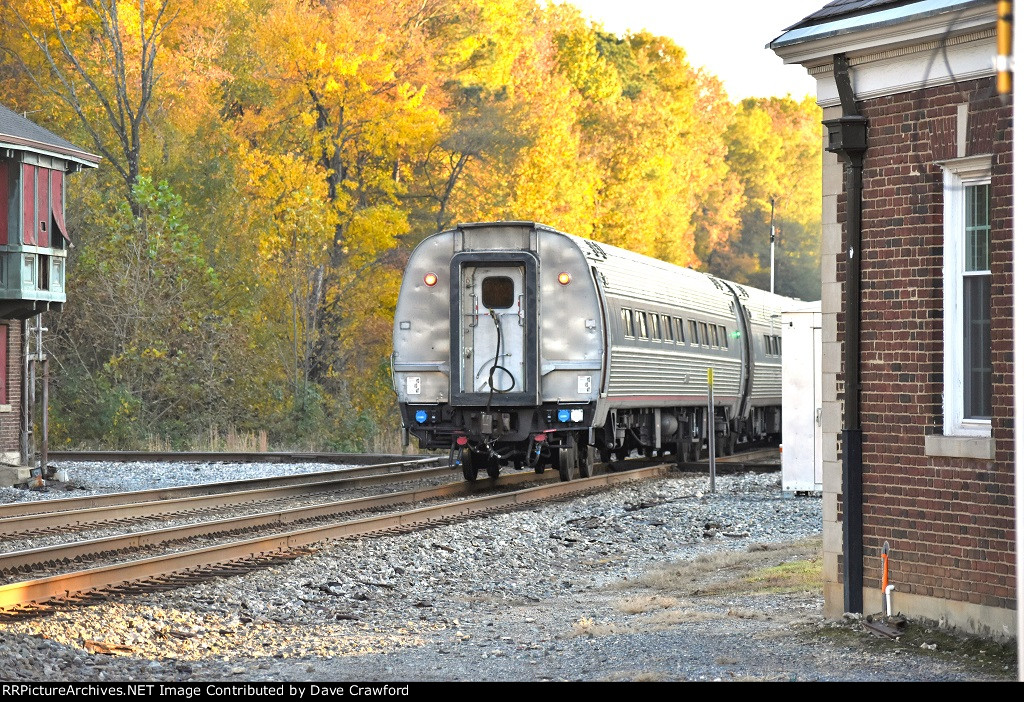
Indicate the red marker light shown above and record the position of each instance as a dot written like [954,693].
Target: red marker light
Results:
[564,278]
[430,279]
[462,440]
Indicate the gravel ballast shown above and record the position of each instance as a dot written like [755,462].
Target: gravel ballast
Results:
[631,583]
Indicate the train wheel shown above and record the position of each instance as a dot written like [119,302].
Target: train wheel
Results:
[493,469]
[693,452]
[567,461]
[729,444]
[585,461]
[682,452]
[470,465]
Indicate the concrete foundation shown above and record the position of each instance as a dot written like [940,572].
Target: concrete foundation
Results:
[14,475]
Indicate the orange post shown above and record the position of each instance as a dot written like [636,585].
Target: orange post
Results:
[1004,47]
[885,565]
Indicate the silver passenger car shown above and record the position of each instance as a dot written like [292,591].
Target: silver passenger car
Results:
[519,345]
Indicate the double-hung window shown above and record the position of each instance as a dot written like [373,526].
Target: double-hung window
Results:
[967,313]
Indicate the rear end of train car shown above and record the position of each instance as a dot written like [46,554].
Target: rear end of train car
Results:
[498,348]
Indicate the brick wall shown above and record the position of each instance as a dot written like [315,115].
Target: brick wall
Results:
[948,521]
[10,421]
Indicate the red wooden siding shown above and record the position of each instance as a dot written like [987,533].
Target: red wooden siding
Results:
[57,204]
[42,222]
[28,203]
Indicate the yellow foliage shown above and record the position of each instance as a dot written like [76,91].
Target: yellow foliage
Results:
[314,142]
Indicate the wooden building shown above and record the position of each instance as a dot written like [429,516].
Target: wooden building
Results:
[916,309]
[34,245]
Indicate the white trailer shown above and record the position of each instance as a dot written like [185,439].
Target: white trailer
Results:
[801,399]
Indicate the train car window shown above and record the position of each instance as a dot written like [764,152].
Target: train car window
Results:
[704,334]
[714,335]
[627,322]
[655,327]
[498,292]
[641,325]
[778,344]
[680,337]
[725,337]
[666,324]
[694,338]
[767,344]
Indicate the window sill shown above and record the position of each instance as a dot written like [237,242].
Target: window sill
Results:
[983,448]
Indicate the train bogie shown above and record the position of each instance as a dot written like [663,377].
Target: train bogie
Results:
[515,344]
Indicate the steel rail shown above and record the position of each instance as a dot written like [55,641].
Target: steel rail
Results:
[228,457]
[16,595]
[28,558]
[169,493]
[12,527]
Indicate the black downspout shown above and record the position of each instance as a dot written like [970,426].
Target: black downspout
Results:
[847,137]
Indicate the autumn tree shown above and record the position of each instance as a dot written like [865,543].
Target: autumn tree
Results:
[268,165]
[775,152]
[99,58]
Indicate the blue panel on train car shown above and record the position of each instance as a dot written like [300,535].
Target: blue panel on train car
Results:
[563,415]
[421,416]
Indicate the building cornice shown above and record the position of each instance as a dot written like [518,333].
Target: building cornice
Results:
[904,69]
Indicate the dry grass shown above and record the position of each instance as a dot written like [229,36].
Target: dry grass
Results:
[233,440]
[662,620]
[776,568]
[213,439]
[645,603]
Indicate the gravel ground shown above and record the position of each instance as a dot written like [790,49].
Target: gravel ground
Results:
[636,583]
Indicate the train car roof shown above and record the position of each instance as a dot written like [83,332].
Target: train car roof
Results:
[597,250]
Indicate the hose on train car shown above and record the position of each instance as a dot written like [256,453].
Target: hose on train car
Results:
[497,365]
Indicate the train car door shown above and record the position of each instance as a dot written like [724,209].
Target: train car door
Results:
[495,335]
[493,322]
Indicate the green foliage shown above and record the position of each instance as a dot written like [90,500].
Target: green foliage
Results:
[774,148]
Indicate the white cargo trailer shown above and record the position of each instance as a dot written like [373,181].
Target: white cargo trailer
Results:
[801,399]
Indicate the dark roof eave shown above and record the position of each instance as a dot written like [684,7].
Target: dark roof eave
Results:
[82,157]
[868,21]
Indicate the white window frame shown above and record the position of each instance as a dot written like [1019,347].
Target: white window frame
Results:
[957,175]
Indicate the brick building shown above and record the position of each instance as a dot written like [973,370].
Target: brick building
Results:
[34,243]
[916,308]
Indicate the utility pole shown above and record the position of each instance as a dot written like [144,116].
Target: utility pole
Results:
[771,240]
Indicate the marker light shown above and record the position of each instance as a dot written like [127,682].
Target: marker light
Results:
[564,278]
[563,415]
[430,279]
[421,416]
[462,440]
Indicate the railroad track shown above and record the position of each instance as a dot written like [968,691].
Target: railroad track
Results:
[297,531]
[757,459]
[76,513]
[355,459]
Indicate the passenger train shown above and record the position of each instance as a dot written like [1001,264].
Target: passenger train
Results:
[519,345]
